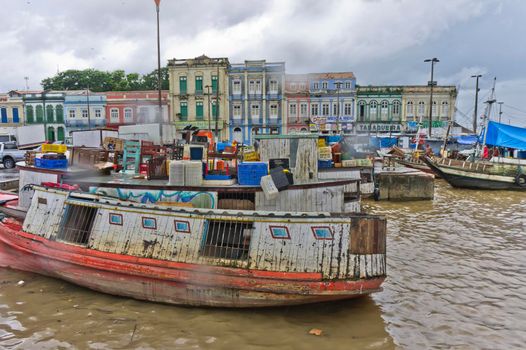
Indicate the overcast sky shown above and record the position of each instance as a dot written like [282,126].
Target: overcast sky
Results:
[381,41]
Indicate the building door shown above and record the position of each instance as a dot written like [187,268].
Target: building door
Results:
[3,111]
[60,133]
[51,134]
[237,135]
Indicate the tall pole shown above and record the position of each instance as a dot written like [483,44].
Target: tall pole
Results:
[432,83]
[89,115]
[159,85]
[500,111]
[207,87]
[475,116]
[45,114]
[338,107]
[217,104]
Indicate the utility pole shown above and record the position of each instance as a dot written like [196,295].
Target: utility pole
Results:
[45,114]
[431,83]
[217,104]
[89,115]
[27,83]
[207,87]
[159,85]
[338,83]
[500,110]
[475,116]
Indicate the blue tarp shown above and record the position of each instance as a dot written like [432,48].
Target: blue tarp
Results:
[467,139]
[502,135]
[383,142]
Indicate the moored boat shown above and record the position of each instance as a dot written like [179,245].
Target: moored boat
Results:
[479,174]
[196,256]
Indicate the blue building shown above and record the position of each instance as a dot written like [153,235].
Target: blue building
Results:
[255,99]
[83,106]
[332,100]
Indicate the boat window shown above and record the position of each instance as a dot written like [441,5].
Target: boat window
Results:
[77,224]
[236,200]
[227,239]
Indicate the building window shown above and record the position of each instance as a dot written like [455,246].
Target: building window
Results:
[273,110]
[59,112]
[258,86]
[315,86]
[144,114]
[303,109]
[184,110]
[396,108]
[347,109]
[324,85]
[3,112]
[149,223]
[434,108]
[214,84]
[251,87]
[302,86]
[292,110]
[29,114]
[347,84]
[410,108]
[273,88]
[199,113]
[293,86]
[236,87]
[274,131]
[199,85]
[128,114]
[50,113]
[114,115]
[72,113]
[98,113]
[421,108]
[361,110]
[39,113]
[373,108]
[314,110]
[182,85]
[336,109]
[384,109]
[445,109]
[84,113]
[215,110]
[254,111]
[237,111]
[16,117]
[325,109]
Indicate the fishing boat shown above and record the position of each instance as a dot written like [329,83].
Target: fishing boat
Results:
[415,163]
[196,256]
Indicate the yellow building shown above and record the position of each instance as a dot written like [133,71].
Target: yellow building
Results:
[11,110]
[199,93]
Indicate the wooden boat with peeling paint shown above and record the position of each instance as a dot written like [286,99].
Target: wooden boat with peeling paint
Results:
[481,175]
[196,256]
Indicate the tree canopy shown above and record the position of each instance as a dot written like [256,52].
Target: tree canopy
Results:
[96,80]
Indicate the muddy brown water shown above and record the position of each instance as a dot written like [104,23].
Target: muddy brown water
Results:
[457,279]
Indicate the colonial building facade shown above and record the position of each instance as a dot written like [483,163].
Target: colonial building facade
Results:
[135,107]
[255,99]
[11,110]
[379,109]
[199,93]
[84,109]
[297,98]
[46,107]
[332,101]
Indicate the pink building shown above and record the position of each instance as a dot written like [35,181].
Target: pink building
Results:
[298,103]
[134,107]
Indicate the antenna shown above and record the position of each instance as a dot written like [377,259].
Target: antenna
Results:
[27,83]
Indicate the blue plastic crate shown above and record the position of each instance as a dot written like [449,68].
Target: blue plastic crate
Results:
[324,164]
[51,163]
[250,173]
[220,147]
[217,177]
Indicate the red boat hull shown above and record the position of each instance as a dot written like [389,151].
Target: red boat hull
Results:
[170,282]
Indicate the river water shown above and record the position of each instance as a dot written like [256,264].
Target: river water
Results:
[457,279]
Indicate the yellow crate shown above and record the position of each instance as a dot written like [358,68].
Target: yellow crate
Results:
[251,156]
[321,143]
[51,148]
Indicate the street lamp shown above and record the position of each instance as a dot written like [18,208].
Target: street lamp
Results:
[476,101]
[207,87]
[431,83]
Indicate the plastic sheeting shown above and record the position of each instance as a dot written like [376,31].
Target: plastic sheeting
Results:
[502,135]
[467,139]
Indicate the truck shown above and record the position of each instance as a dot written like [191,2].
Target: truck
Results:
[30,136]
[149,132]
[91,138]
[10,154]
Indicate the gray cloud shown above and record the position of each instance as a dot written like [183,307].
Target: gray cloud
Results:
[382,41]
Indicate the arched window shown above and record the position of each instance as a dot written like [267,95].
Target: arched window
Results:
[396,108]
[410,111]
[59,111]
[40,114]
[384,109]
[445,109]
[237,135]
[361,110]
[373,109]
[434,108]
[30,117]
[50,114]
[421,108]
